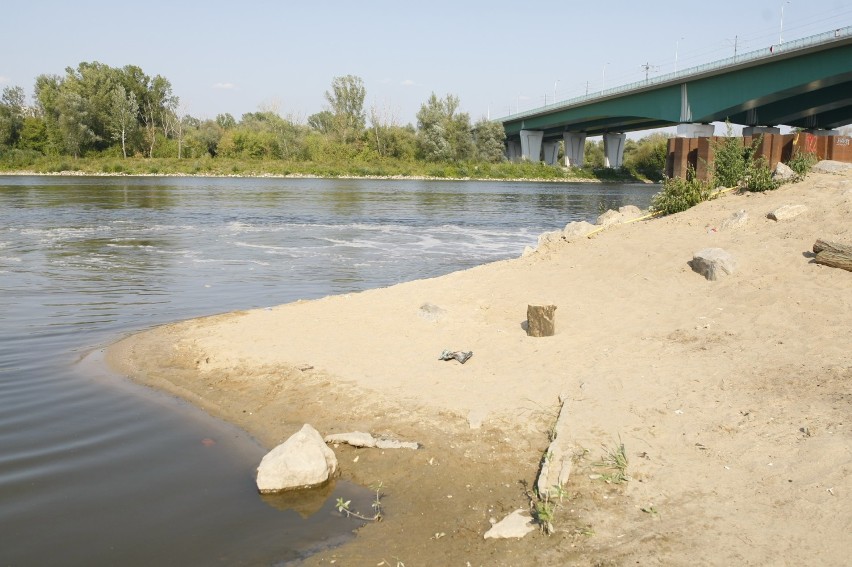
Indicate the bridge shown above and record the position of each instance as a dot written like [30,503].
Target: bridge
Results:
[806,83]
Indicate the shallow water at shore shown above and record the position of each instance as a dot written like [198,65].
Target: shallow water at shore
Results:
[97,470]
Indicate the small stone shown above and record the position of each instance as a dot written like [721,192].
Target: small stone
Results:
[354,438]
[541,320]
[515,525]
[736,220]
[712,263]
[431,312]
[786,212]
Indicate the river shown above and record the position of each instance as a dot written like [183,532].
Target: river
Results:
[97,470]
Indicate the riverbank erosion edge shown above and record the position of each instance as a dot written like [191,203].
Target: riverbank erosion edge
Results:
[730,396]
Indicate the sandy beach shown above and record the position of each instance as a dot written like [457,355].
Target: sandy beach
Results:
[731,397]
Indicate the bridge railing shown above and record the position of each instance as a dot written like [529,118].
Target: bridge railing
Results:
[757,54]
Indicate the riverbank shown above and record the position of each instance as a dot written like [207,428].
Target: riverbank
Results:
[387,169]
[730,397]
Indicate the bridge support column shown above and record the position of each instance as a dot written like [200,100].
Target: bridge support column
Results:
[551,152]
[531,144]
[614,149]
[752,131]
[575,148]
[695,130]
[513,150]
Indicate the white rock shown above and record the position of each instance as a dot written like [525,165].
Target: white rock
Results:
[630,212]
[517,525]
[431,312]
[609,218]
[549,238]
[736,220]
[712,263]
[783,173]
[354,438]
[302,461]
[528,251]
[362,439]
[577,229]
[787,212]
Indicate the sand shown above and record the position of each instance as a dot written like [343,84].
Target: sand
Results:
[732,398]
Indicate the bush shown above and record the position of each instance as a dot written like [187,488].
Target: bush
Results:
[802,162]
[758,176]
[730,160]
[681,194]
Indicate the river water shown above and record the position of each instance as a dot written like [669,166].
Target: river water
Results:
[96,470]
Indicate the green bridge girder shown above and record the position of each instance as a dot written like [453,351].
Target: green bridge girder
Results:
[808,87]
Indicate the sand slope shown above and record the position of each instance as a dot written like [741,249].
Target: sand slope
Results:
[733,398]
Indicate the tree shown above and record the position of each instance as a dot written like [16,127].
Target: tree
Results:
[11,115]
[73,123]
[322,122]
[442,133]
[346,100]
[225,121]
[489,138]
[123,118]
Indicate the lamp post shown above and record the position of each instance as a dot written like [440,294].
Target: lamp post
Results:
[677,48]
[603,77]
[781,32]
[554,90]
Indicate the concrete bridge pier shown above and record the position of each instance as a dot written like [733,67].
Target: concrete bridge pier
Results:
[531,145]
[575,148]
[551,152]
[513,150]
[695,130]
[752,131]
[614,149]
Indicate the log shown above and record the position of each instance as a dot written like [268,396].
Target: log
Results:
[834,259]
[836,247]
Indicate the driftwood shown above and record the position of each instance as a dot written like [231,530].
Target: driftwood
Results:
[836,247]
[833,254]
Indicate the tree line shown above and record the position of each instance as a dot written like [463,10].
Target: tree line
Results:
[102,111]
[98,109]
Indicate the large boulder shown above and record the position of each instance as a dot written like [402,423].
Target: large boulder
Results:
[302,461]
[630,212]
[783,173]
[609,218]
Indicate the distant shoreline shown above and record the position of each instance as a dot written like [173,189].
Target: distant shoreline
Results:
[70,173]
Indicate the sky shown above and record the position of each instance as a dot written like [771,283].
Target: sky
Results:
[498,57]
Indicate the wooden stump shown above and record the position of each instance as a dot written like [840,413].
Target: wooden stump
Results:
[833,254]
[541,320]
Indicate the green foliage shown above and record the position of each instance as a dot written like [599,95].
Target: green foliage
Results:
[615,462]
[758,177]
[346,100]
[647,157]
[802,162]
[730,160]
[593,155]
[681,194]
[443,134]
[489,138]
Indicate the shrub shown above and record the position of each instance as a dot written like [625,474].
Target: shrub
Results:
[730,160]
[802,162]
[681,194]
[758,176]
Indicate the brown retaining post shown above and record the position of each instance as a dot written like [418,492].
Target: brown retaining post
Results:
[841,149]
[680,156]
[704,162]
